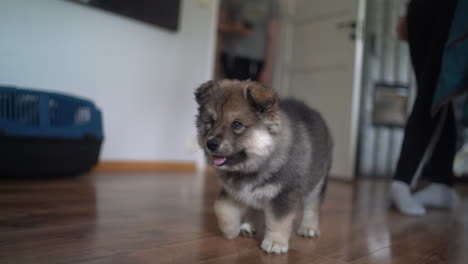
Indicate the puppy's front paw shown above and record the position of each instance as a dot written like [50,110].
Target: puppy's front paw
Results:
[230,231]
[274,246]
[247,229]
[308,232]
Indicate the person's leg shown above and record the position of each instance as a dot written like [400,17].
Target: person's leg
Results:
[235,67]
[242,66]
[427,32]
[460,166]
[426,49]
[417,133]
[439,168]
[227,65]
[441,193]
[256,70]
[420,124]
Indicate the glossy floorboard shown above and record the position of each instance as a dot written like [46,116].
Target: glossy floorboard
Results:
[168,218]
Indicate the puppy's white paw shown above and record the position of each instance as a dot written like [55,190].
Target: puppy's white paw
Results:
[247,229]
[274,247]
[308,232]
[230,232]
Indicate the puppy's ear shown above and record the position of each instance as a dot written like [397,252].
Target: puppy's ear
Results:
[263,100]
[203,92]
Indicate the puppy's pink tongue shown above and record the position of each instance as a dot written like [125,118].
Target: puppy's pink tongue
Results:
[218,160]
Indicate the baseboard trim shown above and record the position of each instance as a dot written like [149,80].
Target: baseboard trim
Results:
[145,166]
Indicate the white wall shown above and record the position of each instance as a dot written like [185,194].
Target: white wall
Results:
[142,77]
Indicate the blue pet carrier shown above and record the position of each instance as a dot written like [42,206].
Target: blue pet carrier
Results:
[47,134]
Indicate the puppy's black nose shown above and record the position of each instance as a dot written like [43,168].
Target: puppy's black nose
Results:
[213,144]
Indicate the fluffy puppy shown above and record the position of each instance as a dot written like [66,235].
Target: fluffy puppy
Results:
[271,155]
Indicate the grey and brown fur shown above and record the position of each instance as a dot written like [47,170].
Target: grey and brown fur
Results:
[276,154]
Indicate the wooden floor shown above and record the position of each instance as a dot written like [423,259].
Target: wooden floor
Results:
[168,218]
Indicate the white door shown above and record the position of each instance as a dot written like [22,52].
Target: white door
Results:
[322,53]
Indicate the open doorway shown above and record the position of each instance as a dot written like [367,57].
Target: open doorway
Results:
[318,59]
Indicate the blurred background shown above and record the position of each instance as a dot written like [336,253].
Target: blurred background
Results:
[104,89]
[140,61]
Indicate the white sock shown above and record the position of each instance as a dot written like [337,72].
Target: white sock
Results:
[404,201]
[438,195]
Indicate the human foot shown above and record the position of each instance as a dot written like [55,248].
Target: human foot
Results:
[404,201]
[437,195]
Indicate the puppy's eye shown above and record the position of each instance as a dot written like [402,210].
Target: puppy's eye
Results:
[236,125]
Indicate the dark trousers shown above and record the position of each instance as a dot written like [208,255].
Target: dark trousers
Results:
[241,68]
[428,26]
